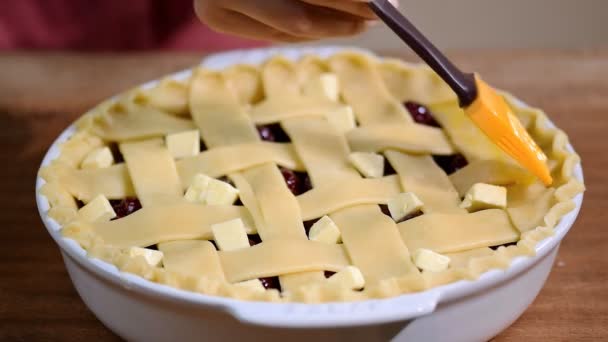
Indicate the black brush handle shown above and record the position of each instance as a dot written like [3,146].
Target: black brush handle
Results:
[462,84]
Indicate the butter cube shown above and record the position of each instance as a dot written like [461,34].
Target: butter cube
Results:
[197,191]
[349,277]
[194,195]
[221,193]
[98,158]
[484,196]
[230,235]
[343,119]
[404,204]
[153,257]
[325,230]
[208,190]
[184,144]
[252,284]
[330,86]
[98,210]
[370,164]
[427,260]
[326,85]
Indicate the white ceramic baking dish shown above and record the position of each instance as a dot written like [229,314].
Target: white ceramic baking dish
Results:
[139,310]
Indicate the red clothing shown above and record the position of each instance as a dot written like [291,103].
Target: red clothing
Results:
[108,25]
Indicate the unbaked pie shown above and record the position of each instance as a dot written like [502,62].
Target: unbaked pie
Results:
[317,180]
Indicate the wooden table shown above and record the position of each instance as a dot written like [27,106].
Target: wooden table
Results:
[41,93]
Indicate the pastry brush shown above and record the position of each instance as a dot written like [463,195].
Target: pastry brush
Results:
[483,105]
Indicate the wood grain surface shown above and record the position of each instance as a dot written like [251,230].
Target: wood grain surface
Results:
[40,94]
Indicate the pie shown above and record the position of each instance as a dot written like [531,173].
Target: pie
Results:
[316,180]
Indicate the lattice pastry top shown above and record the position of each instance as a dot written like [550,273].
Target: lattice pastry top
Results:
[318,180]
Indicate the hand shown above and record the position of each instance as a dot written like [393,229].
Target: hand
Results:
[285,20]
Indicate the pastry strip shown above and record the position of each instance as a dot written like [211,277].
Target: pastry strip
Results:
[448,233]
[113,182]
[152,171]
[279,224]
[138,122]
[193,258]
[277,206]
[412,138]
[489,172]
[462,259]
[182,220]
[279,109]
[282,257]
[341,194]
[418,83]
[247,197]
[217,112]
[323,150]
[420,175]
[223,160]
[282,87]
[363,89]
[373,243]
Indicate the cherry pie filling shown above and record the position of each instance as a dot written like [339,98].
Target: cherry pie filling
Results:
[125,206]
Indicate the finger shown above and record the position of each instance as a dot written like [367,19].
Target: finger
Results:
[299,19]
[356,8]
[225,21]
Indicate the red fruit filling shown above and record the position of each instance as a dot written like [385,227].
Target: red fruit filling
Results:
[116,153]
[297,182]
[125,207]
[254,239]
[384,209]
[273,133]
[308,224]
[388,168]
[271,283]
[506,245]
[451,163]
[79,203]
[421,114]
